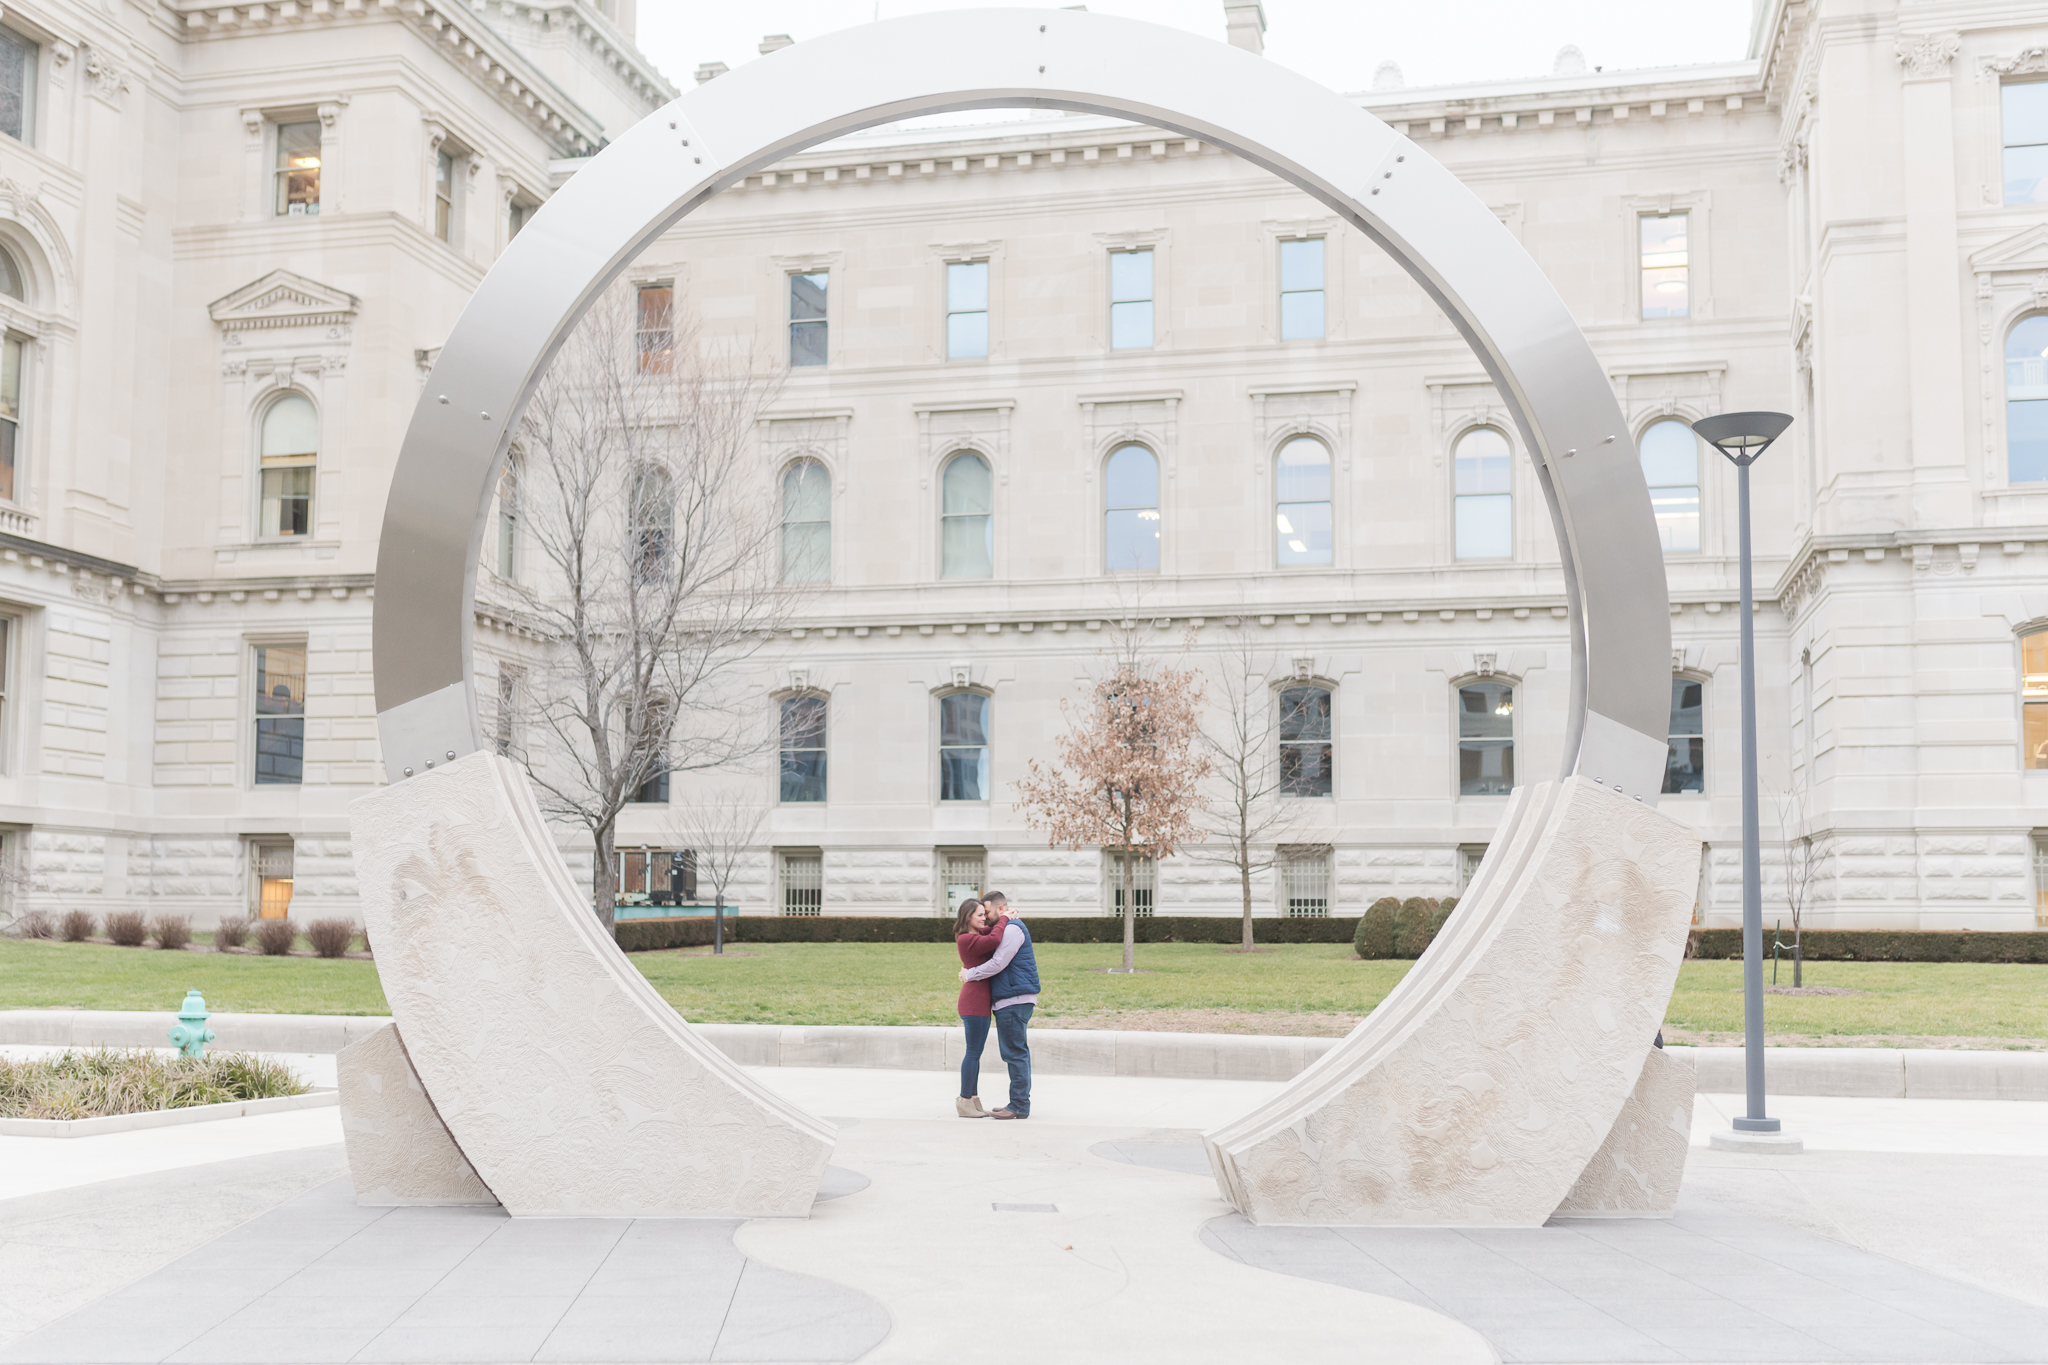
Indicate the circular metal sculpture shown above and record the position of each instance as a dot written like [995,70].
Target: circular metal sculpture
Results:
[749,119]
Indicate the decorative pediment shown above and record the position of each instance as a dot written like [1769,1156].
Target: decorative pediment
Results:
[2025,250]
[282,299]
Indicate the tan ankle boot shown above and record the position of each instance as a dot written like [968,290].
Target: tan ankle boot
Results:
[969,1107]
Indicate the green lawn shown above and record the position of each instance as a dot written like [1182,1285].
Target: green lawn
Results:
[1314,988]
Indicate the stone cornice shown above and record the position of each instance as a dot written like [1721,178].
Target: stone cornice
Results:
[1923,549]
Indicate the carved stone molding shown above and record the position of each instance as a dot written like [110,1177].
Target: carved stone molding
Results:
[1926,56]
[2026,62]
[109,82]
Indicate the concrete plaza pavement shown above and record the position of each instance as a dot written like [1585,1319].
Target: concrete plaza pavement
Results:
[1097,1214]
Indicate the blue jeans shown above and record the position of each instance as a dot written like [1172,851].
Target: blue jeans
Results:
[970,1065]
[1012,1023]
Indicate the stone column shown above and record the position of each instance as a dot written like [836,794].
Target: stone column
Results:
[1934,302]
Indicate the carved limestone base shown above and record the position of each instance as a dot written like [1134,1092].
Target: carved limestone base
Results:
[1637,1170]
[399,1151]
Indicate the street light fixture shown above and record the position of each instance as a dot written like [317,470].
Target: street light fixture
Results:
[1742,437]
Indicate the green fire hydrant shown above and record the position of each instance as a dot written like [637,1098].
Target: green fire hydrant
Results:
[190,1035]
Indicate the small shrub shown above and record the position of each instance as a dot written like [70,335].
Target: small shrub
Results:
[232,932]
[128,928]
[275,936]
[1377,929]
[1412,926]
[330,937]
[78,926]
[172,932]
[365,932]
[35,924]
[1443,913]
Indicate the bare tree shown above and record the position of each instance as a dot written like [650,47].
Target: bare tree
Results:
[1802,862]
[1248,822]
[719,827]
[656,575]
[1130,768]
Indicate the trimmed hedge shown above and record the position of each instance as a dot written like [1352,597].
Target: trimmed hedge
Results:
[1402,929]
[639,936]
[1884,945]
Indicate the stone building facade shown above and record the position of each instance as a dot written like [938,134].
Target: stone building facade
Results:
[1051,373]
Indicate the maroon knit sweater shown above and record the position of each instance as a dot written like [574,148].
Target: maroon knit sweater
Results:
[976,949]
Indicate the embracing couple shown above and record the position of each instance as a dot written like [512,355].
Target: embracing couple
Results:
[999,980]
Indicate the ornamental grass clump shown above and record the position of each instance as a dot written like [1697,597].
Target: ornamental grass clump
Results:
[77,926]
[101,1082]
[231,932]
[330,937]
[275,936]
[128,928]
[35,924]
[172,932]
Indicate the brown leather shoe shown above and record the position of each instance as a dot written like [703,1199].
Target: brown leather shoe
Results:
[1007,1113]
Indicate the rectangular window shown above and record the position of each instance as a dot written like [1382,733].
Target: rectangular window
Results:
[7,635]
[1143,881]
[963,747]
[12,350]
[655,876]
[1486,739]
[508,520]
[2034,698]
[17,86]
[1483,483]
[519,215]
[1301,290]
[962,874]
[654,327]
[444,196]
[967,310]
[298,170]
[1469,858]
[1685,762]
[2023,109]
[2040,881]
[803,883]
[1130,300]
[807,319]
[1305,876]
[652,792]
[507,719]
[280,714]
[1667,288]
[803,748]
[271,861]
[1305,741]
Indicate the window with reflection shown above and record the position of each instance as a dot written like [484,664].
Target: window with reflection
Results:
[2023,119]
[803,749]
[963,747]
[290,450]
[1484,501]
[806,523]
[508,518]
[13,352]
[1486,739]
[1666,266]
[967,310]
[298,170]
[967,523]
[2034,698]
[1130,529]
[1302,314]
[17,86]
[280,714]
[1685,760]
[1301,513]
[1130,300]
[444,196]
[653,512]
[654,333]
[13,279]
[1305,741]
[1671,466]
[2026,400]
[807,318]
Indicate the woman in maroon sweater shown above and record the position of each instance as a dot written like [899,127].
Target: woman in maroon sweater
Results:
[978,932]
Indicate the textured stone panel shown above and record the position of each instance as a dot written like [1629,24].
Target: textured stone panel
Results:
[399,1151]
[1477,1092]
[571,1086]
[1638,1168]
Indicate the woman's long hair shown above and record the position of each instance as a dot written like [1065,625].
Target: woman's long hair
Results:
[967,909]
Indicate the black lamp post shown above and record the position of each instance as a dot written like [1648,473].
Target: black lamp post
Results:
[1742,437]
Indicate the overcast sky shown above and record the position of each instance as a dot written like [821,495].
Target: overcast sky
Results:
[1337,42]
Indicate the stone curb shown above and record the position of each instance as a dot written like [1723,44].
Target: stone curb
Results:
[1866,1073]
[166,1118]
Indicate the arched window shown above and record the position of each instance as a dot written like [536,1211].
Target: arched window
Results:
[1671,466]
[1484,494]
[290,449]
[1301,495]
[1305,741]
[13,351]
[2034,699]
[803,748]
[1685,761]
[2026,400]
[806,523]
[963,747]
[653,513]
[967,523]
[1486,739]
[508,518]
[13,279]
[1130,523]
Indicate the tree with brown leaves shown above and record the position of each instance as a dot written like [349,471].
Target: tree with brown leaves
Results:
[1129,773]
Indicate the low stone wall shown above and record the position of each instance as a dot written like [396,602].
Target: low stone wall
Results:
[1869,1073]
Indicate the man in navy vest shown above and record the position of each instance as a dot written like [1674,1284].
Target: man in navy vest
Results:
[1012,976]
